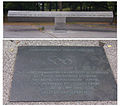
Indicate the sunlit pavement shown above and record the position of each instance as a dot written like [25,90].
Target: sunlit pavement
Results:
[72,31]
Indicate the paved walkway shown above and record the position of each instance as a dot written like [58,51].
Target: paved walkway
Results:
[72,31]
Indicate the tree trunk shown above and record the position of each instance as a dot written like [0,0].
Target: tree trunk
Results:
[56,6]
[80,7]
[37,6]
[42,6]
[60,6]
[50,7]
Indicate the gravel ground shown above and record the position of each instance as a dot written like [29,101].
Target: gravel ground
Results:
[9,54]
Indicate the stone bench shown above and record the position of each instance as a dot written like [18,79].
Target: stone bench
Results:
[60,18]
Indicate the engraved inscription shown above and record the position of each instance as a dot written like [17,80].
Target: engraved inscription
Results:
[58,60]
[58,81]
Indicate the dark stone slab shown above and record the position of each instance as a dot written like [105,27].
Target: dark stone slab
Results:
[51,19]
[30,19]
[62,74]
[88,19]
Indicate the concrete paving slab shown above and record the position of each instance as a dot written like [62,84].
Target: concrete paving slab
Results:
[73,31]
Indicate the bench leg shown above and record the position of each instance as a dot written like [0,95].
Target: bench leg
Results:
[60,23]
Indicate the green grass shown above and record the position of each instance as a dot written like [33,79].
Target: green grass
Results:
[41,28]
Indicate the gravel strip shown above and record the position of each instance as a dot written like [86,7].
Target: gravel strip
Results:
[9,55]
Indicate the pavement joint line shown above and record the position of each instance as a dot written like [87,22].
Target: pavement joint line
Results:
[50,34]
[44,31]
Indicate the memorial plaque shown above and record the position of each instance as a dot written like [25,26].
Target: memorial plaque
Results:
[44,73]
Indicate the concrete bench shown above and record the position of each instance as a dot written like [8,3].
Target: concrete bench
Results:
[60,18]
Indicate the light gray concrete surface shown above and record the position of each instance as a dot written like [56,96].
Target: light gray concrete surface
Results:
[9,55]
[32,14]
[72,31]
